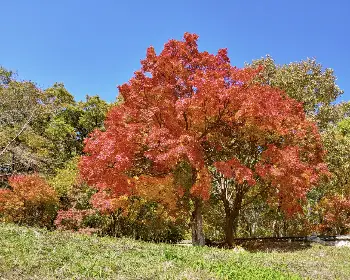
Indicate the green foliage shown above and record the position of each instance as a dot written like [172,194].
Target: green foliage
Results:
[30,126]
[184,175]
[74,196]
[66,178]
[94,112]
[337,143]
[5,76]
[308,82]
[344,127]
[333,196]
[214,224]
[45,128]
[144,220]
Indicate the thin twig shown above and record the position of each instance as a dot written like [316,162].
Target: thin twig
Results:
[19,133]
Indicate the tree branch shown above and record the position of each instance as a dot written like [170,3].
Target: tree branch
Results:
[19,133]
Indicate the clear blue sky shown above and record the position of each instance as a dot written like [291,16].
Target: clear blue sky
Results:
[92,46]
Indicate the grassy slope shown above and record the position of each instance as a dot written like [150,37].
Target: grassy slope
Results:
[37,254]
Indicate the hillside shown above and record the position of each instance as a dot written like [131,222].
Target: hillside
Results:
[27,253]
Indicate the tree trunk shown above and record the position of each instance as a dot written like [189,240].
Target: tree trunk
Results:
[231,217]
[229,231]
[197,223]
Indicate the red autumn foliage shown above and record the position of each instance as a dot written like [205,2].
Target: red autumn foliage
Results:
[335,214]
[187,105]
[72,220]
[30,201]
[291,177]
[234,169]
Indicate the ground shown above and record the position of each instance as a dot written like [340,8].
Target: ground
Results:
[28,253]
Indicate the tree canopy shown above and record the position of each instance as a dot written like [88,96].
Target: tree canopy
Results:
[190,106]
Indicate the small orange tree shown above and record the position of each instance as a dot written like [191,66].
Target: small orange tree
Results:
[335,214]
[30,201]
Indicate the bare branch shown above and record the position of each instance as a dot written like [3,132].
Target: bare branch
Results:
[19,133]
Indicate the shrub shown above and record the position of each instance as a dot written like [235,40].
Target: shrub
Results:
[140,219]
[73,220]
[335,214]
[29,200]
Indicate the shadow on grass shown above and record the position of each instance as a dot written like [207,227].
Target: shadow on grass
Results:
[266,246]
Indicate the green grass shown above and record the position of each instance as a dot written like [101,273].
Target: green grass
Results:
[27,253]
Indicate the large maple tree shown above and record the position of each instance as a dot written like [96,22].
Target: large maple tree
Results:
[190,107]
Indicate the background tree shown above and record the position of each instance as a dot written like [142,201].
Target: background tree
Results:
[18,109]
[334,196]
[94,111]
[308,82]
[40,130]
[5,76]
[337,140]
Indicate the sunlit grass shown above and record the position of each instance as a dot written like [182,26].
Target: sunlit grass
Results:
[27,253]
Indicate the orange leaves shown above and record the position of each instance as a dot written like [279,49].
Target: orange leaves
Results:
[31,200]
[184,105]
[289,174]
[234,169]
[202,186]
[336,214]
[107,203]
[72,219]
[32,189]
[9,202]
[158,189]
